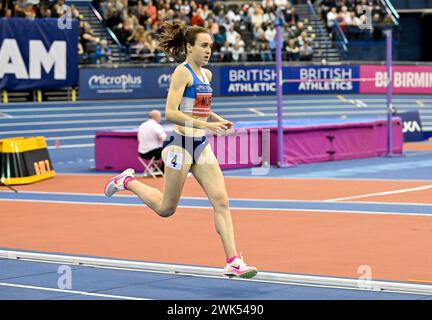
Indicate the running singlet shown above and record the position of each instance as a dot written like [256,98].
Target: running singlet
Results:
[197,98]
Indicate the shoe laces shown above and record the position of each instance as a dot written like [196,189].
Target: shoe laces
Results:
[242,263]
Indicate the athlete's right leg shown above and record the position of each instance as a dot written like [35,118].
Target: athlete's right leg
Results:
[177,165]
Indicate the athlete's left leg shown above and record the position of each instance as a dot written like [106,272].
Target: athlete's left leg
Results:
[209,175]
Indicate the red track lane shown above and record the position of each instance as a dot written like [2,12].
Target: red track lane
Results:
[396,247]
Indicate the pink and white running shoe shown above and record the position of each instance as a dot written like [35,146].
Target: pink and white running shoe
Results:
[119,182]
[238,268]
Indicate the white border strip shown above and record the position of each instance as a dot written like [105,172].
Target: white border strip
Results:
[285,278]
[84,293]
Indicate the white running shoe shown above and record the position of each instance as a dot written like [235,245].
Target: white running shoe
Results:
[117,183]
[238,268]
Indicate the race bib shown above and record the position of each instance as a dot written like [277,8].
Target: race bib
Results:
[174,160]
[203,100]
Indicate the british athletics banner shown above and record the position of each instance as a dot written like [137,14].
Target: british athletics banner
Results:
[261,80]
[38,54]
[247,80]
[406,79]
[332,79]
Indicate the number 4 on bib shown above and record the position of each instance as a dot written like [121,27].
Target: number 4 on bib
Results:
[174,160]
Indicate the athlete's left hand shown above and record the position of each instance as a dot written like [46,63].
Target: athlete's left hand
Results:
[228,124]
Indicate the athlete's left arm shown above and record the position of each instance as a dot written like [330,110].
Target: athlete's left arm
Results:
[213,116]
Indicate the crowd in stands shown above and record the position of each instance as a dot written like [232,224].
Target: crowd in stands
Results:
[241,32]
[357,18]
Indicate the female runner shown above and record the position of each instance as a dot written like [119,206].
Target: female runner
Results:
[188,106]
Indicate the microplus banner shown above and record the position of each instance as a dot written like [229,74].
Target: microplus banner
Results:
[124,83]
[38,54]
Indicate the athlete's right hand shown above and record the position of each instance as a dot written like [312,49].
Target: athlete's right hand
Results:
[219,127]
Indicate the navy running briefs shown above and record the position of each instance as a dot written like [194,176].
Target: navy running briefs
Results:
[193,145]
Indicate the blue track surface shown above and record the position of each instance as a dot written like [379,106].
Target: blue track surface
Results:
[89,282]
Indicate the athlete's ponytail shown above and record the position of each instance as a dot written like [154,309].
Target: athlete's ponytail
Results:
[175,36]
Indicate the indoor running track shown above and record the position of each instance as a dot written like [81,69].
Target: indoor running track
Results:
[313,226]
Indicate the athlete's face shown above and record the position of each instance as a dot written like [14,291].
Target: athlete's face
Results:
[201,51]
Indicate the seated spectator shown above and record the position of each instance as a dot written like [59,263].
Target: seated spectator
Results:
[151,136]
[237,53]
[226,52]
[74,11]
[331,18]
[88,40]
[103,53]
[270,35]
[282,4]
[220,38]
[259,35]
[206,12]
[231,35]
[257,18]
[196,19]
[291,16]
[265,51]
[298,29]
[292,51]
[306,52]
[268,17]
[254,53]
[303,38]
[111,15]
[124,31]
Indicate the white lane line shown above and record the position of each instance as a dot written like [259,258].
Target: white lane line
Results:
[90,136]
[109,128]
[71,146]
[4,115]
[381,193]
[47,123]
[291,105]
[84,293]
[257,112]
[232,208]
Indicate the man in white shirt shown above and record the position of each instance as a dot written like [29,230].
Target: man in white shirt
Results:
[151,136]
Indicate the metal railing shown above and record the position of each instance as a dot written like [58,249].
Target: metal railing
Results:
[339,39]
[390,9]
[110,32]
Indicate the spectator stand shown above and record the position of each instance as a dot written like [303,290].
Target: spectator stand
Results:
[358,24]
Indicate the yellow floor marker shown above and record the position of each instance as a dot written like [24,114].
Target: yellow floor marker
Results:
[341,98]
[5,97]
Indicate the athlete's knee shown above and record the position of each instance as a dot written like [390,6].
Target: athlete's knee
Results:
[167,212]
[220,201]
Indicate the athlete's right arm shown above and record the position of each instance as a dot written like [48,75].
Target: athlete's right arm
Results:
[179,80]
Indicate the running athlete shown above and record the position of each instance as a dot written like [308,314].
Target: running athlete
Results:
[188,106]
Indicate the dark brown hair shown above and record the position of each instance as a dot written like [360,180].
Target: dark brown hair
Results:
[175,36]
